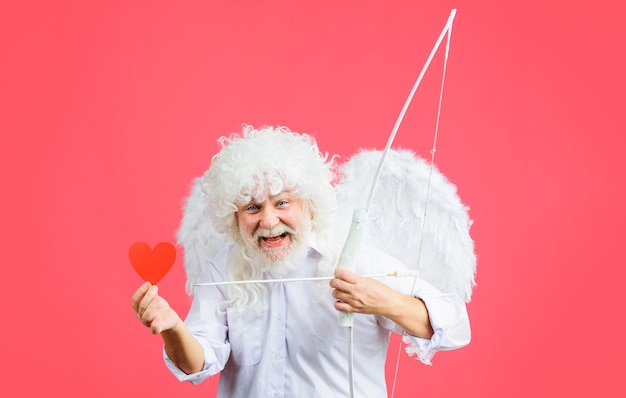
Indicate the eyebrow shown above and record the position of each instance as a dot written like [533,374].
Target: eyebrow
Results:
[256,200]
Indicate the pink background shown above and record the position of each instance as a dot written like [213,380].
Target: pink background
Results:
[109,109]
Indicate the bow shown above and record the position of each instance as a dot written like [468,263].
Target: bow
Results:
[356,233]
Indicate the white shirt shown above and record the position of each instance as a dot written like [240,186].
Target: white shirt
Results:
[297,348]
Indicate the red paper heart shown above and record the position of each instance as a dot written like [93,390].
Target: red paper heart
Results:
[152,264]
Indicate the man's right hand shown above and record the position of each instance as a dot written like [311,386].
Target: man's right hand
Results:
[153,310]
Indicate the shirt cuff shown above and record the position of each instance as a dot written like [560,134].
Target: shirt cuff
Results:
[450,323]
[194,378]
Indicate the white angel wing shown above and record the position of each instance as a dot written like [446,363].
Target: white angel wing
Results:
[400,207]
[201,242]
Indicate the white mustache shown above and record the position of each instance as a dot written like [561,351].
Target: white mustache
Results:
[276,231]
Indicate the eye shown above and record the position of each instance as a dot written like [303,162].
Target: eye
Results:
[282,203]
[252,208]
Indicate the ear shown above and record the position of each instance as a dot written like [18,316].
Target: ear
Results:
[306,208]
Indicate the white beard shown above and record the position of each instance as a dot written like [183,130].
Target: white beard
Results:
[279,260]
[296,253]
[251,261]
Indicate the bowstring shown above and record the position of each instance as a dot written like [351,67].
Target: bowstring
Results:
[448,32]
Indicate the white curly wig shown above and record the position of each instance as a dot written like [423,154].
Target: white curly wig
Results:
[273,158]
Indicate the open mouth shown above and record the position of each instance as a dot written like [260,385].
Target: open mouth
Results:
[274,240]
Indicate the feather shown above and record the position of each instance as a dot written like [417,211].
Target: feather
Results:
[400,214]
[200,241]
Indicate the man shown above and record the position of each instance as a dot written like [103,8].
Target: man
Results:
[271,191]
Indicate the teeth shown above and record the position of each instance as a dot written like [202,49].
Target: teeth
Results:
[274,237]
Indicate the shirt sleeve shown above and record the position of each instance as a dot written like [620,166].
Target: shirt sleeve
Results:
[209,326]
[450,323]
[447,312]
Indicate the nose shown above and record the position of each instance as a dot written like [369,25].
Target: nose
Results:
[269,218]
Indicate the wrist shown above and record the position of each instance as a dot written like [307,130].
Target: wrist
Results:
[175,328]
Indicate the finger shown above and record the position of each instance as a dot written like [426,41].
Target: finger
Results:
[339,295]
[343,307]
[156,326]
[348,276]
[341,285]
[147,299]
[138,295]
[149,316]
[345,298]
